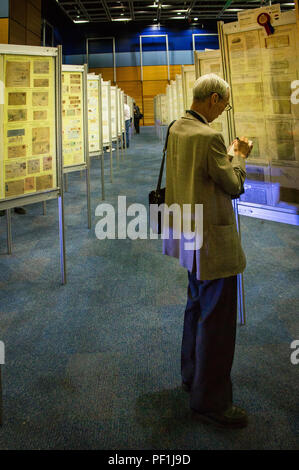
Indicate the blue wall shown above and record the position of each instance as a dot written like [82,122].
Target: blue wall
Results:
[4,8]
[127,40]
[153,49]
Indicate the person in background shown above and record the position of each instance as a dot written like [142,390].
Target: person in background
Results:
[128,120]
[137,117]
[200,171]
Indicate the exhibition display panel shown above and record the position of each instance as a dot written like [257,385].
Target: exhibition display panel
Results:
[95,123]
[31,164]
[75,124]
[188,79]
[179,96]
[174,102]
[114,125]
[263,71]
[169,106]
[94,92]
[211,62]
[106,113]
[73,115]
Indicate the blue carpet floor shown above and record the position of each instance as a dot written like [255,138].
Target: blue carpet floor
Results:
[95,364]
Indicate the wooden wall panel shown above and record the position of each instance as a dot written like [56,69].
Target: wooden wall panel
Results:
[3,30]
[33,22]
[18,11]
[154,82]
[17,33]
[159,72]
[150,90]
[36,3]
[155,72]
[174,70]
[133,89]
[32,39]
[125,74]
[106,72]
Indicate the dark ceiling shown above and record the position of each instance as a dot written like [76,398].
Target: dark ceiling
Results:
[99,11]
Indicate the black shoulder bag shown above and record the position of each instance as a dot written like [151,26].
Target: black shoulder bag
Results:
[157,196]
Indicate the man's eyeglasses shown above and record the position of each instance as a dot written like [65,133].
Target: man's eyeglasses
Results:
[228,107]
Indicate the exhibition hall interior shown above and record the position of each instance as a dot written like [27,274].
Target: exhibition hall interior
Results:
[91,310]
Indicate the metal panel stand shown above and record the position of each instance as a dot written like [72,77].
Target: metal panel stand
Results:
[1,400]
[8,226]
[88,197]
[117,151]
[240,282]
[62,238]
[122,146]
[65,182]
[111,164]
[102,174]
[44,208]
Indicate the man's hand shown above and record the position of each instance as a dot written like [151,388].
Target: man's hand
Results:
[242,147]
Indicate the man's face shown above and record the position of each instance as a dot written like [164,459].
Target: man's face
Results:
[218,105]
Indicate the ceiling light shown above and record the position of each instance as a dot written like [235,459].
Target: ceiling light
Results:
[80,21]
[195,19]
[121,19]
[178,13]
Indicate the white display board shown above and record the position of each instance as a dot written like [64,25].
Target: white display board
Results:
[94,100]
[262,70]
[28,157]
[179,96]
[122,111]
[174,99]
[207,62]
[113,108]
[73,115]
[106,111]
[119,112]
[170,116]
[188,79]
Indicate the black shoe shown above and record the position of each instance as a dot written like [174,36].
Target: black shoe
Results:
[186,387]
[233,417]
[20,210]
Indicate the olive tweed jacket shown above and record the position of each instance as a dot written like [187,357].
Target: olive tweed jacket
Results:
[199,171]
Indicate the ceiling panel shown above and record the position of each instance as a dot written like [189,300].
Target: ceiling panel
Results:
[192,11]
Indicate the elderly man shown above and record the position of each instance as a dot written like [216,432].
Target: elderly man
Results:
[200,171]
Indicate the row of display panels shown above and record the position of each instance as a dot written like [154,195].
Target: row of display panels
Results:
[262,71]
[91,110]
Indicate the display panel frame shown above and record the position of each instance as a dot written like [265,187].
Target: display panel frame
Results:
[274,209]
[82,69]
[58,192]
[98,79]
[188,73]
[85,165]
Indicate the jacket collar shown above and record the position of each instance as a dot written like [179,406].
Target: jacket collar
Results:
[200,115]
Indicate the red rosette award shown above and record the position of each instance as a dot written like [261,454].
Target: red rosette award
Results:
[264,20]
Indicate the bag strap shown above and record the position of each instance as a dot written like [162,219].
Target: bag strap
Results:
[163,159]
[194,114]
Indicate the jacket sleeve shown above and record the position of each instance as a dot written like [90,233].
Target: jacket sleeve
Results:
[230,176]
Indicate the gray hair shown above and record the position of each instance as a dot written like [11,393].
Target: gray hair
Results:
[208,84]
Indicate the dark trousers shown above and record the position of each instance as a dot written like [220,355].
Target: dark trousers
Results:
[127,123]
[136,125]
[208,343]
